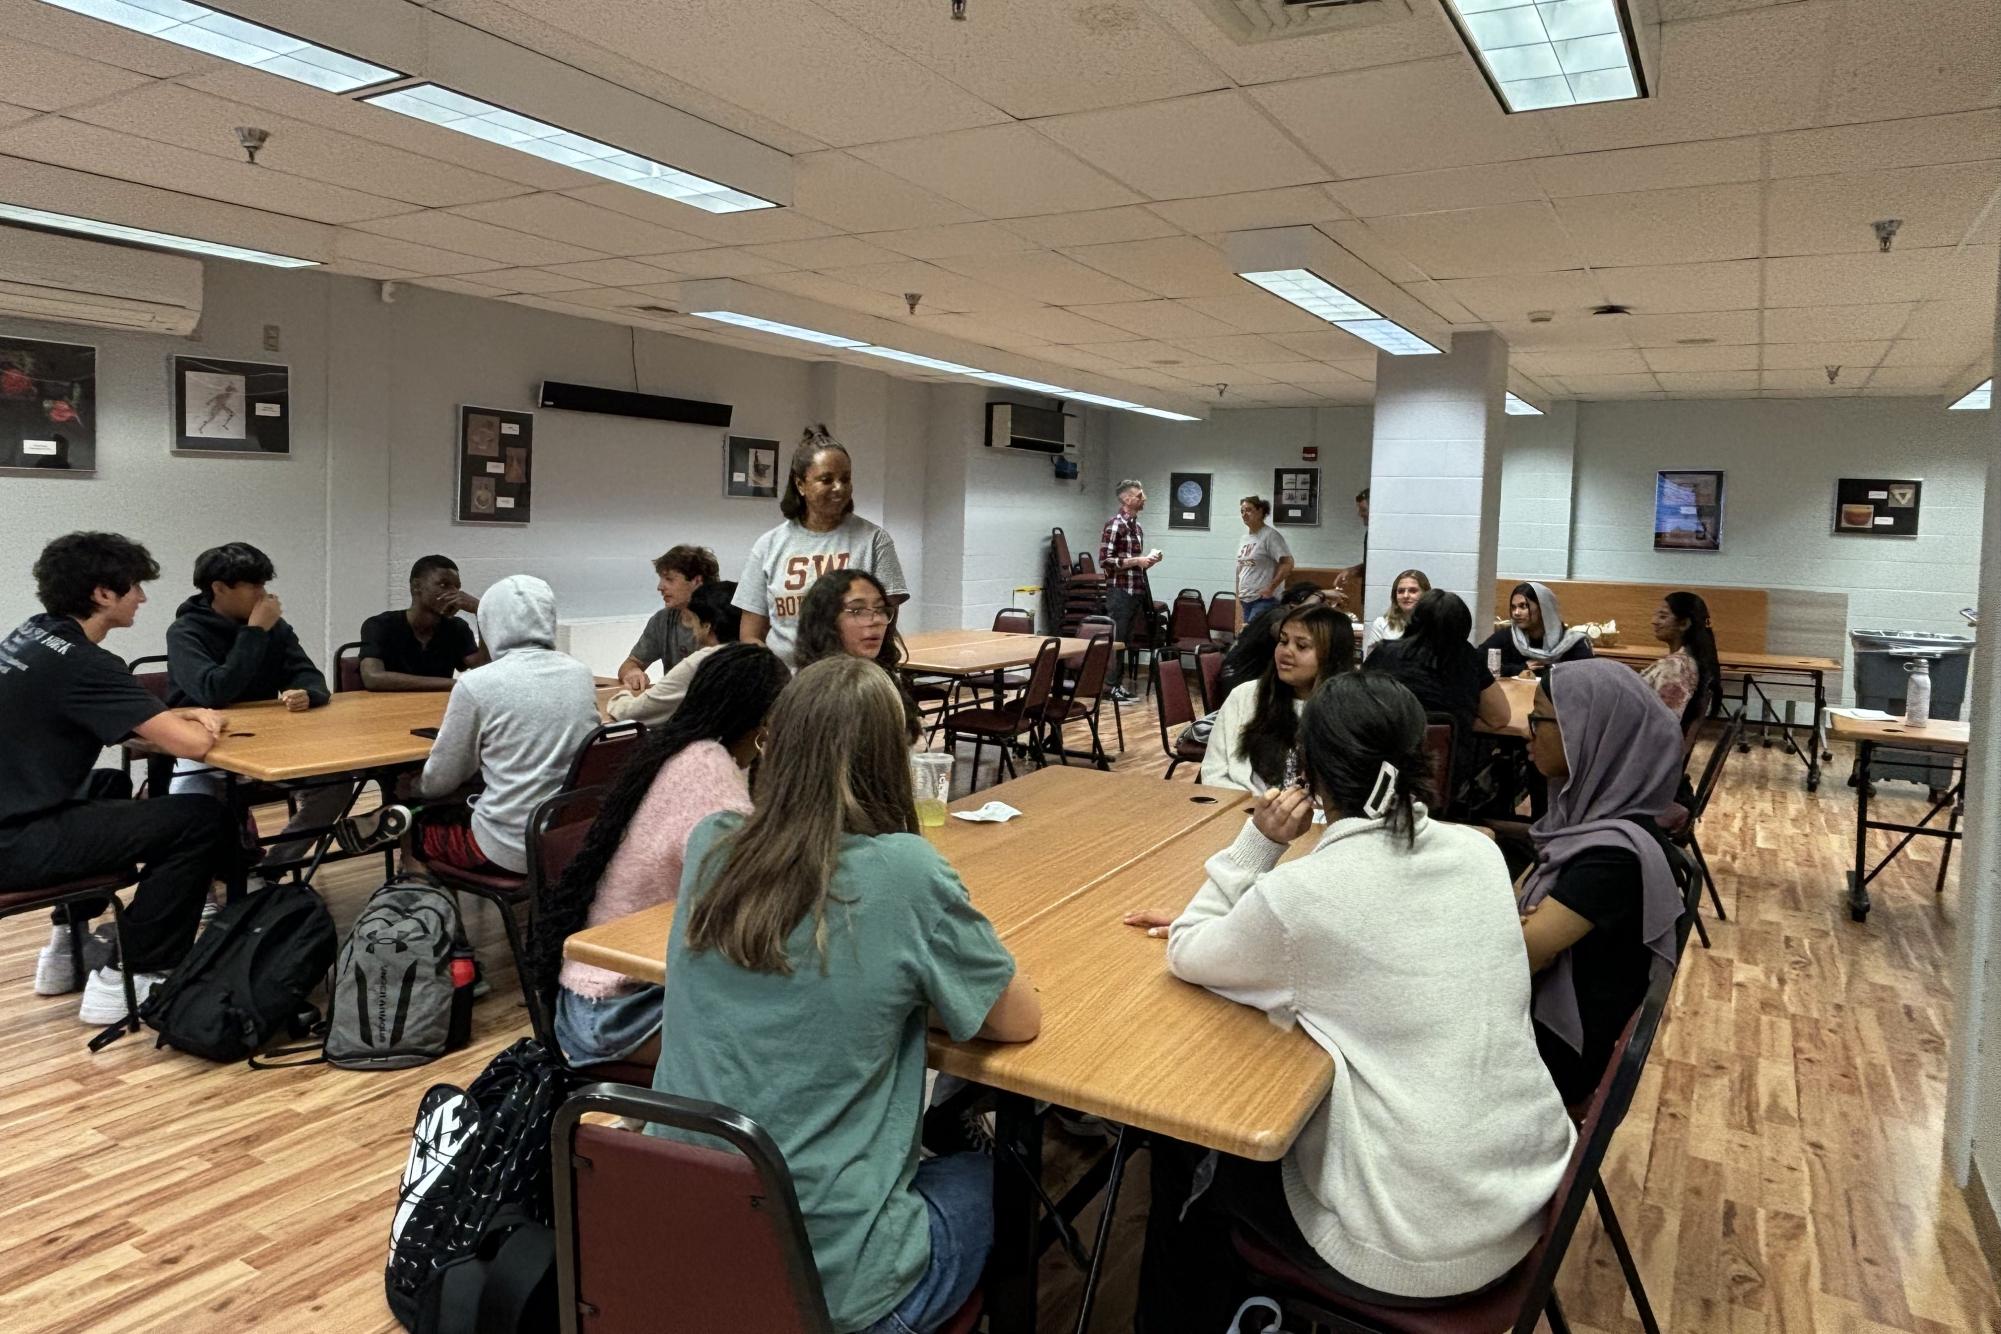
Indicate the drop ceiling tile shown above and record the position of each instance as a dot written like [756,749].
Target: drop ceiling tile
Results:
[561,218]
[1658,289]
[49,80]
[1945,319]
[1829,280]
[1565,332]
[78,35]
[1802,377]
[1372,249]
[758,227]
[363,247]
[830,252]
[1959,352]
[1819,215]
[1177,266]
[603,298]
[1003,171]
[1046,277]
[717,262]
[1160,319]
[1078,358]
[355,268]
[39,185]
[1057,327]
[1572,362]
[1155,379]
[965,238]
[1235,349]
[613,272]
[1686,226]
[1237,377]
[462,287]
[1294,206]
[1806,356]
[858,196]
[533,281]
[502,245]
[1440,302]
[1690,360]
[1708,382]
[1255,311]
[1432,191]
[1306,373]
[1879,50]
[1093,227]
[944,292]
[834,292]
[13,115]
[1513,296]
[1415,117]
[1208,144]
[1919,141]
[1912,378]
[978,329]
[1475,242]
[1664,167]
[1139,352]
[1291,394]
[1613,386]
[1332,346]
[1835,324]
[1732,327]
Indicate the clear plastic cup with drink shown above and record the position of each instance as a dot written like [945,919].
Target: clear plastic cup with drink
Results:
[931,784]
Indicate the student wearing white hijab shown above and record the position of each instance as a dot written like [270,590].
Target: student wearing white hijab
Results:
[1536,636]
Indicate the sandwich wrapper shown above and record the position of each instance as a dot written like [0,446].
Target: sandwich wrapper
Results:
[994,812]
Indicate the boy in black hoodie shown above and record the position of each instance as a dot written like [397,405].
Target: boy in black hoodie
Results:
[230,644]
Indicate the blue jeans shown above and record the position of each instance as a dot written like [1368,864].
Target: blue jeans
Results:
[1257,607]
[958,1193]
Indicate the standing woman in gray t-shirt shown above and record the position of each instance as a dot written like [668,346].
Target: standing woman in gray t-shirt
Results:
[821,532]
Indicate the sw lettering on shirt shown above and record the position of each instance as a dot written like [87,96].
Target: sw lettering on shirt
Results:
[803,570]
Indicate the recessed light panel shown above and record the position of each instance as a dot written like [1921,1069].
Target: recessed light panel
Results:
[483,120]
[1521,407]
[1540,54]
[1316,296]
[64,222]
[203,29]
[1980,396]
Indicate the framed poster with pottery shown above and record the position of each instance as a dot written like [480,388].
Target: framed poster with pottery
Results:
[48,406]
[1295,497]
[1188,500]
[496,455]
[1875,507]
[231,407]
[750,468]
[1688,511]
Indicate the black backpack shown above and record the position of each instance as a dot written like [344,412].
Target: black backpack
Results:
[470,1246]
[247,977]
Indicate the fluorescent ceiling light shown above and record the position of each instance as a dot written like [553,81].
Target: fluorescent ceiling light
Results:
[806,335]
[235,39]
[63,222]
[483,120]
[1980,396]
[1552,53]
[1520,407]
[1316,296]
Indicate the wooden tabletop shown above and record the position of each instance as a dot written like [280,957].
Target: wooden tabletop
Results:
[930,640]
[980,657]
[1520,691]
[1728,660]
[1938,734]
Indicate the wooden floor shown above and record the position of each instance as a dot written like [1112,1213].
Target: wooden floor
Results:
[1779,1170]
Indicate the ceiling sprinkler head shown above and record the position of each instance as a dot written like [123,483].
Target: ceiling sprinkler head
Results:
[1833,373]
[251,138]
[1886,232]
[1220,388]
[911,299]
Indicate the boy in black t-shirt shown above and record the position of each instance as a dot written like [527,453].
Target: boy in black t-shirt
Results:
[65,699]
[421,646]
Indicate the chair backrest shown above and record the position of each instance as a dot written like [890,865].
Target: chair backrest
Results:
[1209,667]
[1097,665]
[1170,695]
[1223,613]
[1086,564]
[1041,678]
[1607,1108]
[556,833]
[654,1233]
[157,683]
[347,667]
[1712,772]
[1438,740]
[603,754]
[1014,621]
[1190,620]
[1096,627]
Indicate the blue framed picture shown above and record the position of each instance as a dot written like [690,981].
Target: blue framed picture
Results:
[1188,500]
[1688,511]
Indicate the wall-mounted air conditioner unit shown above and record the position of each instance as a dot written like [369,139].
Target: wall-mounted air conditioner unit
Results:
[45,277]
[1030,430]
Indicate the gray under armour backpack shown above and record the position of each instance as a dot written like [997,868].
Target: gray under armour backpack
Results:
[395,1002]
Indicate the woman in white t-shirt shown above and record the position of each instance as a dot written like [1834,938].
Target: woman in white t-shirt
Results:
[1263,561]
[1405,590]
[821,532]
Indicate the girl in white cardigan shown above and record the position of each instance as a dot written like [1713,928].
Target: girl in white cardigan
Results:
[1258,725]
[1396,946]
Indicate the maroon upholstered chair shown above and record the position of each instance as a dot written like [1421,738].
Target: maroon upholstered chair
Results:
[90,889]
[1004,723]
[655,1234]
[1014,621]
[1223,617]
[1170,697]
[1519,1300]
[347,667]
[1209,669]
[1082,699]
[1680,822]
[1080,569]
[1439,734]
[556,833]
[603,754]
[159,768]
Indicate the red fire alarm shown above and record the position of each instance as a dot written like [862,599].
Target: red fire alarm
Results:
[1310,454]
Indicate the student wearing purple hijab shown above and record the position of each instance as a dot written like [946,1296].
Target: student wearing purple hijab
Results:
[1600,901]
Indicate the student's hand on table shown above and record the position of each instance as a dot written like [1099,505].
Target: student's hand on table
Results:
[1282,816]
[267,611]
[215,724]
[1155,921]
[295,701]
[634,679]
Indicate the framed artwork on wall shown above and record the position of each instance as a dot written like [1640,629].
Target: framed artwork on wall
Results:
[1188,500]
[750,468]
[1876,507]
[1688,511]
[1295,497]
[496,454]
[48,406]
[231,407]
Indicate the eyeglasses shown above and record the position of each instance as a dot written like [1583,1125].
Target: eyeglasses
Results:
[1538,718]
[868,613]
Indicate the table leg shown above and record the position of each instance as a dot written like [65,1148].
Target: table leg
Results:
[1011,1268]
[1819,738]
[1858,888]
[1951,832]
[236,880]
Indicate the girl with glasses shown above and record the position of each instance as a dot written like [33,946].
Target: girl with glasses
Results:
[850,613]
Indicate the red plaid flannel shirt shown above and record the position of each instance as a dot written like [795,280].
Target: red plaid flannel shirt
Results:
[1123,539]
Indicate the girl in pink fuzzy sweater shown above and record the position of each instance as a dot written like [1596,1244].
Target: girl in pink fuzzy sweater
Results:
[686,770]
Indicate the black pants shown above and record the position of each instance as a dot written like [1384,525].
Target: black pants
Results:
[1122,607]
[182,843]
[1190,1277]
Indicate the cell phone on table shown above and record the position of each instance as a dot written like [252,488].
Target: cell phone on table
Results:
[428,733]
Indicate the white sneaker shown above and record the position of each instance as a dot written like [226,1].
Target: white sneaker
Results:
[55,969]
[104,995]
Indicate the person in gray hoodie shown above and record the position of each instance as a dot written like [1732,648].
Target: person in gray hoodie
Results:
[515,724]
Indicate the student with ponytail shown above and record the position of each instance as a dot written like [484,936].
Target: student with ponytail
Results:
[1396,945]
[1688,678]
[686,770]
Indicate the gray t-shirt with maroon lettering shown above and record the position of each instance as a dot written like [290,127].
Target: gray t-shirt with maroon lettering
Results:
[785,561]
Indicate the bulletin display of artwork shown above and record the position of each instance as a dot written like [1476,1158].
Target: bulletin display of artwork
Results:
[1688,511]
[48,406]
[495,457]
[750,468]
[1188,500]
[231,407]
[1295,497]
[1875,507]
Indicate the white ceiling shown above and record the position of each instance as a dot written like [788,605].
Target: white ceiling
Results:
[1056,176]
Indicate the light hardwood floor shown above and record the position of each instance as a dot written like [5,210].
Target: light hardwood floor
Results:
[1779,1170]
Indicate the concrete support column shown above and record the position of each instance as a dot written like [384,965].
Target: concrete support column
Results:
[1538,462]
[1435,471]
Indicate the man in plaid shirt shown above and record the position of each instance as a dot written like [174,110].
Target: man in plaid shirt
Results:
[1123,556]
